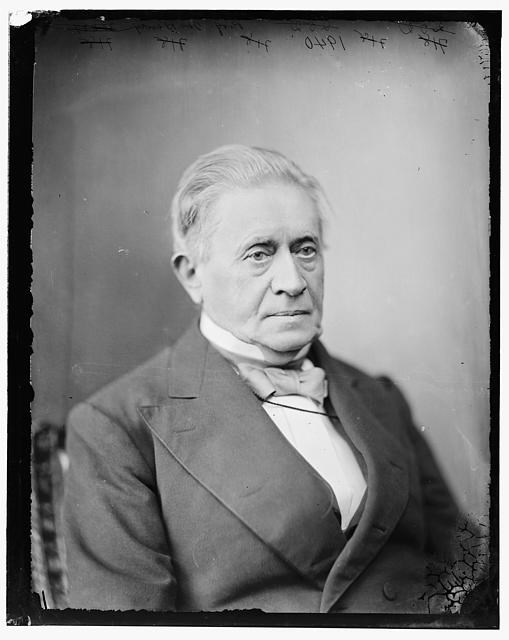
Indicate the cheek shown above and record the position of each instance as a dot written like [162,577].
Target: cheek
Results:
[315,286]
[232,292]
[218,288]
[248,297]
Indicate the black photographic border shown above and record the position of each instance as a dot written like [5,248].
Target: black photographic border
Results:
[25,607]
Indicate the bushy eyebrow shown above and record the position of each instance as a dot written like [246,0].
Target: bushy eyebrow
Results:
[307,238]
[257,241]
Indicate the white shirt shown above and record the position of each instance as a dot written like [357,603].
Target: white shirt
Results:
[313,435]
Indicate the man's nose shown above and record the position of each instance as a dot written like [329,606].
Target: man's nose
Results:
[287,277]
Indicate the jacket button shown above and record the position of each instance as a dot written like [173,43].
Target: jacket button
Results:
[390,591]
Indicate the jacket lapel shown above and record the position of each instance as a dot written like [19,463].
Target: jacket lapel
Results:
[387,478]
[218,431]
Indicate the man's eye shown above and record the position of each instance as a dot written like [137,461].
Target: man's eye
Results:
[307,251]
[258,256]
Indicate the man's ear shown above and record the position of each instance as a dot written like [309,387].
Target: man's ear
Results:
[185,270]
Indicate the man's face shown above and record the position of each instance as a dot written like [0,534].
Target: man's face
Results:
[262,279]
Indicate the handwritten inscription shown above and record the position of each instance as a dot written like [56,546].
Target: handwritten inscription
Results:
[322,43]
[440,44]
[144,26]
[176,45]
[167,26]
[139,27]
[225,27]
[428,33]
[259,43]
[408,27]
[192,25]
[299,25]
[86,28]
[98,43]
[366,37]
[181,34]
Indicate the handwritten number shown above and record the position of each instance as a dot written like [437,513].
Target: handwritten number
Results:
[323,44]
[365,37]
[441,44]
[180,43]
[102,43]
[408,27]
[250,40]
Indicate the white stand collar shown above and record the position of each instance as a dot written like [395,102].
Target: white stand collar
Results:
[237,350]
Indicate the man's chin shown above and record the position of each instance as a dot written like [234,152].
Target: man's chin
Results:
[289,341]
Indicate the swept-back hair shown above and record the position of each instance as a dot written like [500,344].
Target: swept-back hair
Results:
[224,169]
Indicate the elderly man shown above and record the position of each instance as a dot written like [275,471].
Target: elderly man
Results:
[245,468]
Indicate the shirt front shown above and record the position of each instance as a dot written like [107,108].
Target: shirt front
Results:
[302,422]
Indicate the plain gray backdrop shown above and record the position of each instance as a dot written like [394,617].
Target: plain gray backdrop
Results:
[391,118]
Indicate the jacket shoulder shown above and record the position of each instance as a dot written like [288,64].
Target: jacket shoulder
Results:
[148,382]
[362,379]
[119,400]
[379,393]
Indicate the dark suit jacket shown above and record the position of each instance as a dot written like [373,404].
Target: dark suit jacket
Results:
[183,495]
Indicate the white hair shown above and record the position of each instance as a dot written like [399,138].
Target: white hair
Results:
[224,169]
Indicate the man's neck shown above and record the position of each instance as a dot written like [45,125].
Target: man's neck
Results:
[237,350]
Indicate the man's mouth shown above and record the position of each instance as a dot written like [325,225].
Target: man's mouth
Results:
[295,312]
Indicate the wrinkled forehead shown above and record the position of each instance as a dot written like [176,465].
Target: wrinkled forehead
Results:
[276,210]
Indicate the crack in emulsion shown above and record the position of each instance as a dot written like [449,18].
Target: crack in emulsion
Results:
[449,583]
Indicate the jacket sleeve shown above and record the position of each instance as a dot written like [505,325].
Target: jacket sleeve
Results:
[441,512]
[116,546]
